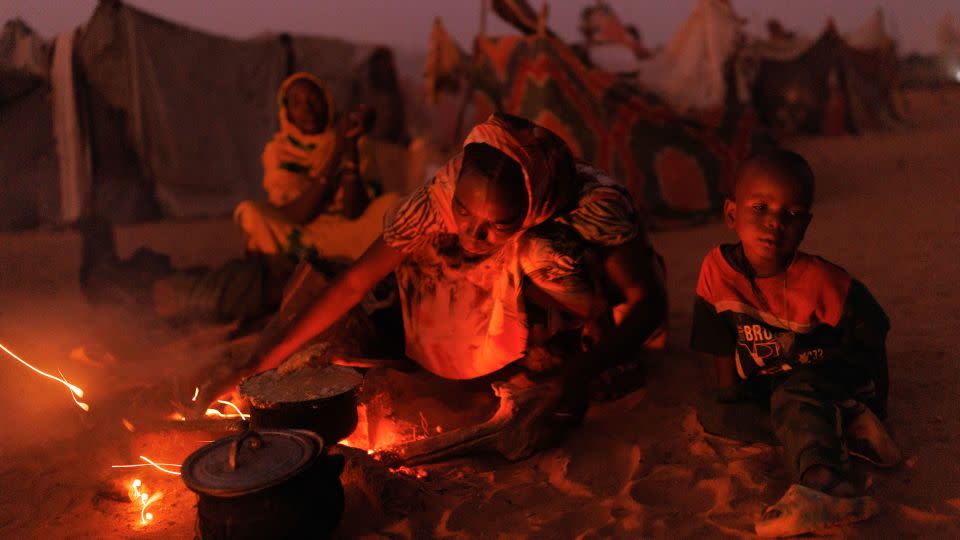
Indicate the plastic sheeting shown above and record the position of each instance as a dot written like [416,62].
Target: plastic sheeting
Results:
[198,107]
[689,72]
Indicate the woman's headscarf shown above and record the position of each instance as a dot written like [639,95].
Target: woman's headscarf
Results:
[547,165]
[292,158]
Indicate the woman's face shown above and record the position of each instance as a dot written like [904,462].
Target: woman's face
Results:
[306,107]
[487,213]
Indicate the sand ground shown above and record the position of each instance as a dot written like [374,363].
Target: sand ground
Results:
[888,210]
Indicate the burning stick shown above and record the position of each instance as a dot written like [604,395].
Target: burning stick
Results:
[75,391]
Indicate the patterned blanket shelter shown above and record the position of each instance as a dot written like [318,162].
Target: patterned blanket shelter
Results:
[676,167]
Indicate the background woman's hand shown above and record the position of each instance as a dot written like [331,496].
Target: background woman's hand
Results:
[357,122]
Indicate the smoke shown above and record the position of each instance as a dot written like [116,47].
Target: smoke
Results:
[46,320]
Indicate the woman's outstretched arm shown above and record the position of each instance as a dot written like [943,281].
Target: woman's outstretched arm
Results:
[344,292]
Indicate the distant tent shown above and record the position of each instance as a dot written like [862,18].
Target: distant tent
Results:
[804,88]
[153,119]
[872,34]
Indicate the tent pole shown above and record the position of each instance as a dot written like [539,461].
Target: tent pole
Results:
[483,18]
[468,93]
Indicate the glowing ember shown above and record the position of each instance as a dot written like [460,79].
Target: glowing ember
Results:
[415,472]
[128,425]
[177,417]
[150,463]
[196,392]
[75,391]
[136,465]
[140,495]
[157,465]
[239,414]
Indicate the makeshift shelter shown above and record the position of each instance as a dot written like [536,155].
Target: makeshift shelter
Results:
[28,160]
[676,167]
[156,120]
[826,86]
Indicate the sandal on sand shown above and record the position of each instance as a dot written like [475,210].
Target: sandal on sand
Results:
[803,510]
[867,439]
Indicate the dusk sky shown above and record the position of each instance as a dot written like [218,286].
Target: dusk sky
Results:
[406,24]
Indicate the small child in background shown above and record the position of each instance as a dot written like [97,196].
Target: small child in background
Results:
[805,333]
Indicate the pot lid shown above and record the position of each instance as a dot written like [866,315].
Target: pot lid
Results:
[250,462]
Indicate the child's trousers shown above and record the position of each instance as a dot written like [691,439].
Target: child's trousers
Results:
[808,408]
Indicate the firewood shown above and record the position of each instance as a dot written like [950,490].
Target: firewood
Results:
[503,429]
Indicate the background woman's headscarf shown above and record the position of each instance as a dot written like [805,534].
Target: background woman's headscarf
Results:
[292,159]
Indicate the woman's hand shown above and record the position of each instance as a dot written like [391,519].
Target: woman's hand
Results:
[544,411]
[358,122]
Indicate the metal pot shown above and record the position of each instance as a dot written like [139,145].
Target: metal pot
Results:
[329,411]
[265,484]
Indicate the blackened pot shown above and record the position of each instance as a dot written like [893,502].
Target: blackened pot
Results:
[322,400]
[266,484]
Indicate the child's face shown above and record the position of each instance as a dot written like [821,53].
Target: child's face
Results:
[770,214]
[306,107]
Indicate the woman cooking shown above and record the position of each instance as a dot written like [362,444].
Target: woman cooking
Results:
[510,248]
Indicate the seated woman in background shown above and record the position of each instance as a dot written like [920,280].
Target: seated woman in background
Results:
[318,207]
[316,182]
[511,251]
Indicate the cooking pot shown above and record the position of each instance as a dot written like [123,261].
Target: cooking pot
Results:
[320,399]
[265,484]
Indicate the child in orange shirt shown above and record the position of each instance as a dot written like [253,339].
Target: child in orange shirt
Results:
[806,332]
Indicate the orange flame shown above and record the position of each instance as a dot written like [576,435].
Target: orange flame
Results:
[196,392]
[377,431]
[75,391]
[415,472]
[141,496]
